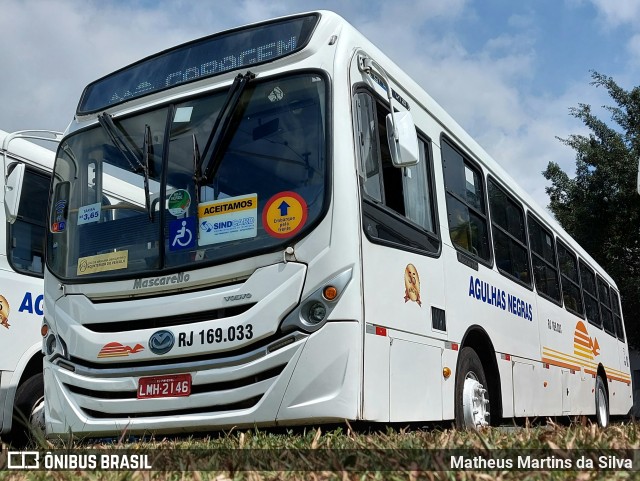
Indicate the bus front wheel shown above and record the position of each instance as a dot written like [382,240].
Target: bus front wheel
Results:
[471,392]
[28,415]
[602,403]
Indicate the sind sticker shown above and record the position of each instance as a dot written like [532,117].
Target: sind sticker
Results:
[228,219]
[103,262]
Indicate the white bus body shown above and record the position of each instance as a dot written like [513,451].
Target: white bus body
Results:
[21,287]
[308,278]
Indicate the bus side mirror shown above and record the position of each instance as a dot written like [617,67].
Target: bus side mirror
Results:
[403,140]
[12,192]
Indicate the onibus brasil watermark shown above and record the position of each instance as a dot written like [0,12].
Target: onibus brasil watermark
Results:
[71,461]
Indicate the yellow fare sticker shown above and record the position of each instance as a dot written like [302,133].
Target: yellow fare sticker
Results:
[111,261]
[229,219]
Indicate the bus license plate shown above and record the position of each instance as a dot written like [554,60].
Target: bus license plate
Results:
[173,385]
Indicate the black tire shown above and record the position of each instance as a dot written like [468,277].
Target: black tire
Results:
[28,395]
[602,403]
[469,367]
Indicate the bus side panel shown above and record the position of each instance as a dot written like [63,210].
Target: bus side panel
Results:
[325,384]
[415,375]
[376,376]
[624,402]
[505,368]
[568,386]
[524,390]
[401,291]
[21,303]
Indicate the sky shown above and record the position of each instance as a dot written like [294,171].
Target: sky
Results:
[508,71]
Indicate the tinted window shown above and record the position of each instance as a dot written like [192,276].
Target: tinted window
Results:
[399,203]
[509,239]
[26,234]
[590,294]
[543,258]
[570,280]
[605,306]
[617,317]
[465,203]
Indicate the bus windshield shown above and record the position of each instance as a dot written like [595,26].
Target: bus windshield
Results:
[269,183]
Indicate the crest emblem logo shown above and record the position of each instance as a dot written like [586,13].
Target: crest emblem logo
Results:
[161,342]
[4,312]
[412,284]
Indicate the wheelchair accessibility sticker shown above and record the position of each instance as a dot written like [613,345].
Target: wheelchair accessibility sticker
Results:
[182,234]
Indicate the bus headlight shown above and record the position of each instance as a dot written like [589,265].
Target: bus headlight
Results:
[50,345]
[313,311]
[316,313]
[53,345]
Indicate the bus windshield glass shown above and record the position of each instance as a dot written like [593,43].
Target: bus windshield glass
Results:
[199,59]
[268,186]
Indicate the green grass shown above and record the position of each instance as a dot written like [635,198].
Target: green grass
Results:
[343,453]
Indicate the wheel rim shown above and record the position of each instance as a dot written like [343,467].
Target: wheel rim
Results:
[475,405]
[36,419]
[602,407]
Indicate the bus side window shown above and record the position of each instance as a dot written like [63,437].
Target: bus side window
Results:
[543,256]
[26,234]
[570,280]
[617,318]
[465,203]
[418,194]
[605,306]
[590,294]
[368,144]
[404,197]
[510,245]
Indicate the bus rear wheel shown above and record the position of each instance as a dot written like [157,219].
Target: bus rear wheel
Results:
[471,394]
[602,403]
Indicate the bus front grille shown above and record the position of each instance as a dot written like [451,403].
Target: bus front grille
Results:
[195,389]
[236,406]
[168,321]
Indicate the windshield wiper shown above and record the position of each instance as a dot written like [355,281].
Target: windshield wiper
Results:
[219,137]
[197,168]
[146,153]
[137,165]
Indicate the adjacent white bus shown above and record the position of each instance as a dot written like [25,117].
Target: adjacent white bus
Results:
[292,253]
[26,169]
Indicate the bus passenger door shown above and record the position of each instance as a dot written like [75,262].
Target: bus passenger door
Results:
[404,310]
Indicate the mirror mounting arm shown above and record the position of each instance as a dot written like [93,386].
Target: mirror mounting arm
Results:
[370,66]
[401,131]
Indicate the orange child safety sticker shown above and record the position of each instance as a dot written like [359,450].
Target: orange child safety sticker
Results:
[284,214]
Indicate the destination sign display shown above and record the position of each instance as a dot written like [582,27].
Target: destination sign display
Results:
[199,59]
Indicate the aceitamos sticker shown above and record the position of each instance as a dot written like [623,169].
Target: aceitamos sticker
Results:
[228,219]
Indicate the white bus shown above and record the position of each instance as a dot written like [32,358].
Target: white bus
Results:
[283,263]
[26,169]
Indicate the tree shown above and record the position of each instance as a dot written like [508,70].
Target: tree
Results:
[600,206]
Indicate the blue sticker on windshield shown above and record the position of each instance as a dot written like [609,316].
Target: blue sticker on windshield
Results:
[182,234]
